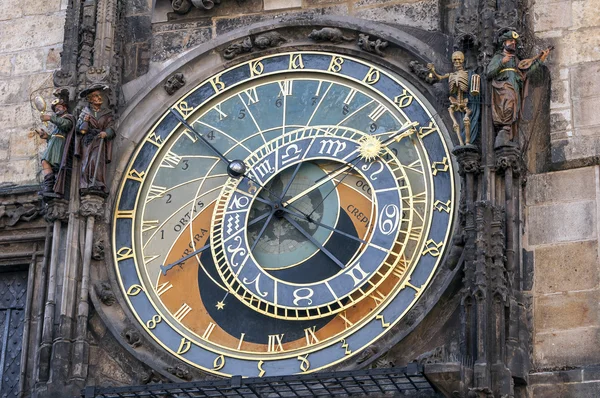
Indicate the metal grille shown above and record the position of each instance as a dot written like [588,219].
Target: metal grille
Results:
[372,382]
[13,289]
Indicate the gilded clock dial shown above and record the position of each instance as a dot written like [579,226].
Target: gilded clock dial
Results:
[283,215]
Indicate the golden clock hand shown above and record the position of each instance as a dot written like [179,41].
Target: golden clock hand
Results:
[396,136]
[235,168]
[294,214]
[319,182]
[275,205]
[313,240]
[262,230]
[329,193]
[404,131]
[165,268]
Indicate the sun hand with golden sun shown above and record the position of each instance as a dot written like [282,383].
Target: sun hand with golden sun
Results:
[371,147]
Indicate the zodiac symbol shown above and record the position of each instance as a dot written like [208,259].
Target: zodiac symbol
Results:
[239,202]
[256,285]
[308,296]
[390,217]
[289,156]
[235,250]
[367,167]
[231,220]
[329,145]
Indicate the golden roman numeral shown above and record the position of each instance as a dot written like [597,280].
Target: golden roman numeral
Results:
[241,341]
[251,96]
[309,334]
[190,135]
[162,288]
[147,259]
[399,269]
[350,96]
[419,198]
[182,312]
[415,166]
[347,322]
[285,88]
[208,331]
[149,225]
[377,112]
[275,342]
[414,233]
[155,192]
[378,297]
[416,289]
[170,160]
[222,114]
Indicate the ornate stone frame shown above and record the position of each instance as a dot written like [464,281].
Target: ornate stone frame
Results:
[140,113]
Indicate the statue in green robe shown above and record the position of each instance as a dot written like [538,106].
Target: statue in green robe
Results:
[54,157]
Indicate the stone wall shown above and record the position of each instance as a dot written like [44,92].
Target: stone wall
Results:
[156,36]
[562,234]
[573,26]
[31,35]
[563,208]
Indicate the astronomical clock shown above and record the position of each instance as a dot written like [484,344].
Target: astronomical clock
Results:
[283,215]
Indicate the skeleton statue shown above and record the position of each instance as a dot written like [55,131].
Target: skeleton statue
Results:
[464,88]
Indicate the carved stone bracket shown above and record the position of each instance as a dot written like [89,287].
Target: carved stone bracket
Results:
[133,337]
[174,83]
[184,6]
[422,72]
[508,156]
[469,160]
[105,293]
[180,372]
[152,377]
[332,35]
[11,214]
[92,205]
[248,44]
[98,250]
[372,46]
[57,209]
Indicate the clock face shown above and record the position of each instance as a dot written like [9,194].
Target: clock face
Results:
[283,215]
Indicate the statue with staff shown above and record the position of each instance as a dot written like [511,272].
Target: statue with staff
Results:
[95,127]
[59,138]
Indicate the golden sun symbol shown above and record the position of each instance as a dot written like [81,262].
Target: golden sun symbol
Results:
[370,148]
